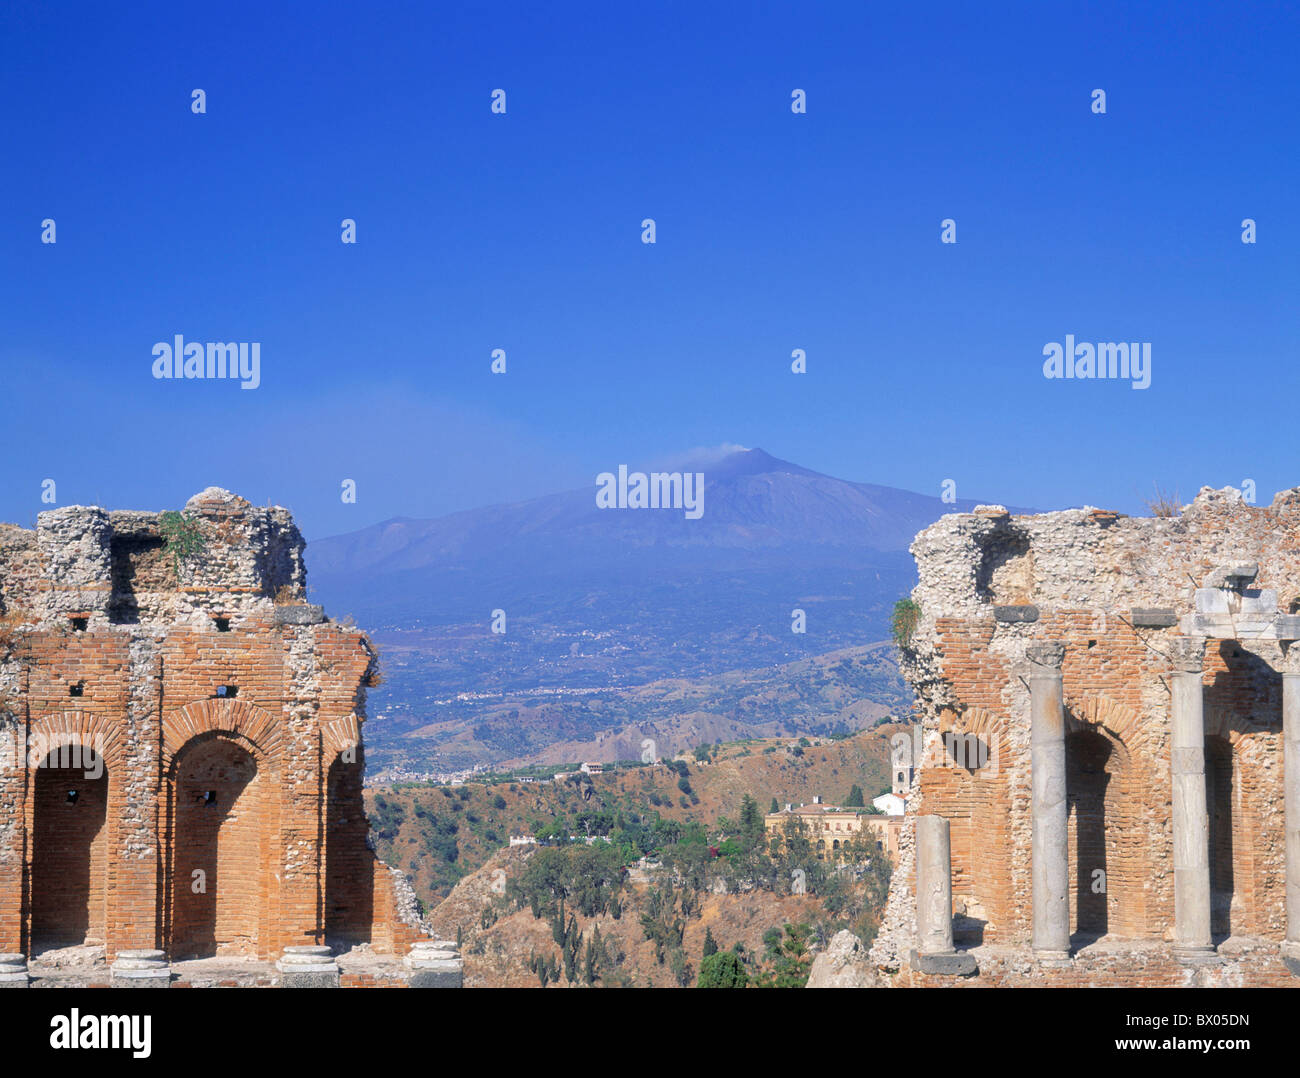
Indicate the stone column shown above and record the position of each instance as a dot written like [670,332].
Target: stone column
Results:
[140,969]
[308,966]
[1050,868]
[434,964]
[1291,772]
[935,952]
[933,885]
[13,971]
[1191,820]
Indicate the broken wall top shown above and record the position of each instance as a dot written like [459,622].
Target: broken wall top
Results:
[990,563]
[119,567]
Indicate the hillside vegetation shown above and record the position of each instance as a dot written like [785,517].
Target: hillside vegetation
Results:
[440,834]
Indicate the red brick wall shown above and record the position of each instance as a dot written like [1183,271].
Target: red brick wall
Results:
[1118,780]
[283,848]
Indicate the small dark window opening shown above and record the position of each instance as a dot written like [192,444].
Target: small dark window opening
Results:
[223,625]
[227,692]
[72,797]
[209,797]
[79,624]
[1092,643]
[79,689]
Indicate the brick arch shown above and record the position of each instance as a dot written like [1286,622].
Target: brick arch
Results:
[339,735]
[235,718]
[989,726]
[1231,725]
[1139,737]
[57,727]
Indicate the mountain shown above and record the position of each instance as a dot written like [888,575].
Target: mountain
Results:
[753,503]
[597,601]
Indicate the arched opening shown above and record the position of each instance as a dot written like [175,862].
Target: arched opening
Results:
[1108,851]
[219,848]
[69,873]
[349,866]
[1219,797]
[1087,756]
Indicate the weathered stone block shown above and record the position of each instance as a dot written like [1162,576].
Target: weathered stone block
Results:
[1233,576]
[305,614]
[957,964]
[1212,601]
[448,974]
[1020,613]
[1261,601]
[1153,617]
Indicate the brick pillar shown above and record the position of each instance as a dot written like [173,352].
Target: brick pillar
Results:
[1191,819]
[1050,869]
[298,919]
[13,807]
[136,854]
[1291,771]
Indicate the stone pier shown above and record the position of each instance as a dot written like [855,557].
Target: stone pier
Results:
[935,952]
[1191,822]
[141,969]
[13,971]
[308,966]
[434,964]
[1050,869]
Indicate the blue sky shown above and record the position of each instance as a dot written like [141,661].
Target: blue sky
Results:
[522,231]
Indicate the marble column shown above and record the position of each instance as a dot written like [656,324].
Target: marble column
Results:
[308,966]
[935,953]
[13,971]
[1050,868]
[1191,819]
[933,885]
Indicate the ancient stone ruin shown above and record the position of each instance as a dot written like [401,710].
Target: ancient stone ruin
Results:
[180,751]
[1110,735]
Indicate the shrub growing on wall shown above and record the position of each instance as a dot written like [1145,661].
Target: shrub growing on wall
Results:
[907,615]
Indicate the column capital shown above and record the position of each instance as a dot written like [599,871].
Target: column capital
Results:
[1290,662]
[1045,657]
[1187,653]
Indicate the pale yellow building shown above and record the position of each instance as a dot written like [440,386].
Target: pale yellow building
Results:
[832,829]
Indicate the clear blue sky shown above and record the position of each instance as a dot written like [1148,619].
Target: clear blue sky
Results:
[775,231]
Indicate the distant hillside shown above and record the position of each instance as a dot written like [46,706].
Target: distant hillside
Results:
[498,941]
[439,834]
[614,599]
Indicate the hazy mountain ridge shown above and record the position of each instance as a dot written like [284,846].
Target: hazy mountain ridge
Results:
[612,599]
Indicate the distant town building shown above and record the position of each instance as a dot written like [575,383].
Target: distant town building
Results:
[832,830]
[592,769]
[890,804]
[903,767]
